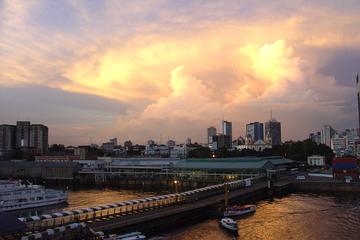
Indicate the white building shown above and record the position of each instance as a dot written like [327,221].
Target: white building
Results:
[91,165]
[138,164]
[179,151]
[258,146]
[344,144]
[316,160]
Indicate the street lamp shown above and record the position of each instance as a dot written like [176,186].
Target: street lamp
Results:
[176,182]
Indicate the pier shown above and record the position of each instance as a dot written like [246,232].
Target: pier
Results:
[122,215]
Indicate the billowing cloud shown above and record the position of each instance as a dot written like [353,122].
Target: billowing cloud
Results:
[178,67]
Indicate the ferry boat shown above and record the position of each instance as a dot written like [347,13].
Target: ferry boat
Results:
[229,224]
[237,211]
[15,195]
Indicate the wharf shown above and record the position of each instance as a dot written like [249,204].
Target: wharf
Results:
[162,215]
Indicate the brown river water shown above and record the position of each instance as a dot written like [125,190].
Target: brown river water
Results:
[295,216]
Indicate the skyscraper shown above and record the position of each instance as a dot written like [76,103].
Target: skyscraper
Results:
[255,130]
[22,134]
[39,138]
[211,132]
[226,128]
[358,96]
[227,132]
[273,131]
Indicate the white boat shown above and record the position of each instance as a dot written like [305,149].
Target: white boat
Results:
[128,236]
[236,211]
[15,195]
[229,224]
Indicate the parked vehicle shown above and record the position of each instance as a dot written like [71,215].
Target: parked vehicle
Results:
[300,177]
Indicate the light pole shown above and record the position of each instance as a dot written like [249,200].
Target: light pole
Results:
[176,182]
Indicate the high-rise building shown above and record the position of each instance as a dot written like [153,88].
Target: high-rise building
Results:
[255,130]
[7,138]
[39,138]
[227,132]
[338,144]
[273,131]
[211,132]
[223,141]
[327,132]
[358,96]
[22,134]
[226,128]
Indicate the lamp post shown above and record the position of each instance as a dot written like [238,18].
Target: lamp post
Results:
[176,182]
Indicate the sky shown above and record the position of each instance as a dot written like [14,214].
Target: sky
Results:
[93,70]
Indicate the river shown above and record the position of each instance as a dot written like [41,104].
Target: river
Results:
[296,216]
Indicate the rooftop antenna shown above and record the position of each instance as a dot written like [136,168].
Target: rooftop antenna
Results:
[271,114]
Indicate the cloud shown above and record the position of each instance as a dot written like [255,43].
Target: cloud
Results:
[71,117]
[178,67]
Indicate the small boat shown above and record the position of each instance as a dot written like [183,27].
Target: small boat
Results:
[236,211]
[229,224]
[128,236]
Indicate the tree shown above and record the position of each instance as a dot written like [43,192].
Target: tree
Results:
[200,152]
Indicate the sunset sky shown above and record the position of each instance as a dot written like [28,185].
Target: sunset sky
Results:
[92,70]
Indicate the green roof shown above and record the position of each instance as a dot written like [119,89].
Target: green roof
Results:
[223,165]
[236,163]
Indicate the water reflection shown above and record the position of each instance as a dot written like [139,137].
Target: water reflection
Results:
[86,198]
[298,216]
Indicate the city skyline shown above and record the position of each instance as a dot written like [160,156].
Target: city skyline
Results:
[91,70]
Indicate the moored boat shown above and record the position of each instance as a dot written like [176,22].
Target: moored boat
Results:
[15,195]
[229,224]
[237,211]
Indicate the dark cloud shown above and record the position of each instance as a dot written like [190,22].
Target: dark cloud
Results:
[343,65]
[54,106]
